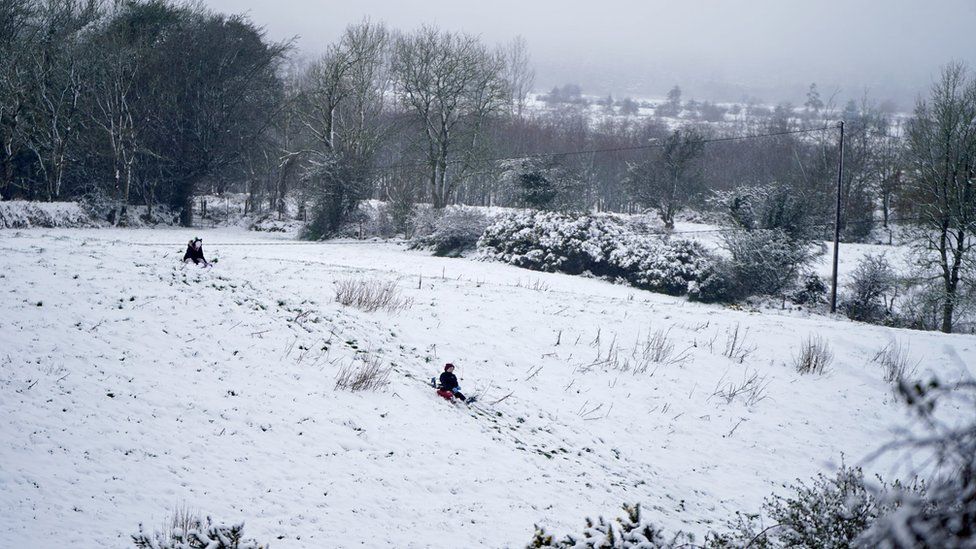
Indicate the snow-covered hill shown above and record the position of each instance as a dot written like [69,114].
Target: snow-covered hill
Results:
[130,385]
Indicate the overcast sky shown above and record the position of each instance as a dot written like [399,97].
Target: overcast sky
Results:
[715,49]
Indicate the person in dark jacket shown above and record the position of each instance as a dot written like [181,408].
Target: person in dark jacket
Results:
[449,384]
[194,253]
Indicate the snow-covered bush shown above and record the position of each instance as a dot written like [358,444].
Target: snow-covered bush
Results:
[543,183]
[763,262]
[190,532]
[944,516]
[422,220]
[920,306]
[767,207]
[104,208]
[811,290]
[833,512]
[760,262]
[555,242]
[270,223]
[869,292]
[337,184]
[628,532]
[644,223]
[671,267]
[382,223]
[457,230]
[21,214]
[830,513]
[599,245]
[716,285]
[370,220]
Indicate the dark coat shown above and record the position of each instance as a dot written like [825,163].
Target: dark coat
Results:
[193,253]
[449,381]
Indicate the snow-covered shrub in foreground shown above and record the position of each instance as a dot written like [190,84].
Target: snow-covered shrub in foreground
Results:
[599,245]
[944,516]
[454,232]
[189,532]
[629,532]
[830,513]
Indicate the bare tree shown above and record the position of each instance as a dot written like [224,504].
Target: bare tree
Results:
[671,179]
[451,83]
[325,88]
[813,104]
[345,89]
[519,74]
[112,87]
[942,152]
[58,72]
[673,105]
[17,40]
[862,125]
[287,145]
[344,95]
[888,160]
[368,81]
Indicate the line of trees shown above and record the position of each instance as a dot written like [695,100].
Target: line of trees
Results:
[133,101]
[149,102]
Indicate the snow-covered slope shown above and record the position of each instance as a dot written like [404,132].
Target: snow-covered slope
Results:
[130,385]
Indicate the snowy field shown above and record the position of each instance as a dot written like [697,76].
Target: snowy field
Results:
[130,385]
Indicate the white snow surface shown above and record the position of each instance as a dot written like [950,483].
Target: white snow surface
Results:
[130,385]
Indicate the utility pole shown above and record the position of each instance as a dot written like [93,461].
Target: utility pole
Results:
[840,182]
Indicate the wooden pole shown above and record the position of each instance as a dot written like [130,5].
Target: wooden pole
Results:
[840,179]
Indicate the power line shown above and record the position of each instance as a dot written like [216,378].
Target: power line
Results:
[744,229]
[650,146]
[877,133]
[651,233]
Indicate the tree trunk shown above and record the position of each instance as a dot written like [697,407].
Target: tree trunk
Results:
[8,174]
[186,215]
[435,196]
[947,310]
[885,206]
